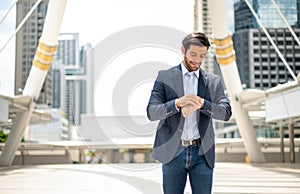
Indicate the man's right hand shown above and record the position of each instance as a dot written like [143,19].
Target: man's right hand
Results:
[189,103]
[189,100]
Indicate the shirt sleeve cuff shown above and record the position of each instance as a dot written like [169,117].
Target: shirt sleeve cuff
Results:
[176,106]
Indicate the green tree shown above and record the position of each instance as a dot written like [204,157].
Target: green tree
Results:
[3,136]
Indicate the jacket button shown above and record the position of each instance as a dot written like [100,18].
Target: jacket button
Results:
[180,130]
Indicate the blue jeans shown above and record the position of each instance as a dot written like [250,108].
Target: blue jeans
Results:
[188,162]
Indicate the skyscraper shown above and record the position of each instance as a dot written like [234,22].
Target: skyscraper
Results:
[58,84]
[72,77]
[267,14]
[203,23]
[87,85]
[26,43]
[258,63]
[67,65]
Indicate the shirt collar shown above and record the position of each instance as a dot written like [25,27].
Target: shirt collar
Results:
[184,71]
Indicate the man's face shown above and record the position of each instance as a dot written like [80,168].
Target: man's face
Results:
[194,57]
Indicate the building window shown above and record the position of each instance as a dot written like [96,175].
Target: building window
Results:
[281,76]
[264,43]
[280,42]
[256,67]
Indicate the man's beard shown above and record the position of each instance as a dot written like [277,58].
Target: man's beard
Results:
[188,65]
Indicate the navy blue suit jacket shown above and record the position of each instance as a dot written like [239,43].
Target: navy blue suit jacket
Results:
[167,88]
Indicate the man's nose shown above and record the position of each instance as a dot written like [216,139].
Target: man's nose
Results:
[198,60]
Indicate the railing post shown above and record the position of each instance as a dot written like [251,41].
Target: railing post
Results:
[292,143]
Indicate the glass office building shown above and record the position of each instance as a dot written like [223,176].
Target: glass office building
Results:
[267,13]
[258,63]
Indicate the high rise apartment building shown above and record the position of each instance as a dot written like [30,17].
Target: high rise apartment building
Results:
[87,85]
[72,77]
[26,44]
[68,51]
[67,65]
[258,63]
[203,23]
[58,84]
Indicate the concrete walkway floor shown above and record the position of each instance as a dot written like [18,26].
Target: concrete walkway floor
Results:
[229,178]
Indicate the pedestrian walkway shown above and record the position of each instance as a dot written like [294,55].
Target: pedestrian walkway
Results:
[229,178]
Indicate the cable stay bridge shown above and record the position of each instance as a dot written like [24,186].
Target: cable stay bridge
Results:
[277,106]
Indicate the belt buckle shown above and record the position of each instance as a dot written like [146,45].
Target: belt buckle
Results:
[183,143]
[186,142]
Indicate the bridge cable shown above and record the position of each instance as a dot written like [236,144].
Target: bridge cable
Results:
[21,24]
[286,22]
[271,41]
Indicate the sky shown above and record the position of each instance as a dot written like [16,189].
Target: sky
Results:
[7,56]
[96,20]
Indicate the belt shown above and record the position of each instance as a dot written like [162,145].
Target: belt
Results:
[190,142]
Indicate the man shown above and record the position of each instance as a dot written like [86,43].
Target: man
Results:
[185,99]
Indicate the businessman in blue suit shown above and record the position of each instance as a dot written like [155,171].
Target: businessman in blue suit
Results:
[185,99]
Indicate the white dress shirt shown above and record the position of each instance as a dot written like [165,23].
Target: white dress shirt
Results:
[190,85]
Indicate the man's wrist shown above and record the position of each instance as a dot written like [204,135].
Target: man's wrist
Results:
[178,103]
[202,102]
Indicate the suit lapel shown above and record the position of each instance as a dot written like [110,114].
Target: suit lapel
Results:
[178,82]
[202,88]
[202,83]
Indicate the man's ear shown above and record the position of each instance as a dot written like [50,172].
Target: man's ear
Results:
[182,50]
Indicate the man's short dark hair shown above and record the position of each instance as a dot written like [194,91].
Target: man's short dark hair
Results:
[195,38]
